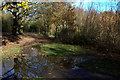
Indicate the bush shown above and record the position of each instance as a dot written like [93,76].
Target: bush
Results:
[33,27]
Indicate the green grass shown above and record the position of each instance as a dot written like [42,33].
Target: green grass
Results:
[11,52]
[36,46]
[103,65]
[58,49]
[99,64]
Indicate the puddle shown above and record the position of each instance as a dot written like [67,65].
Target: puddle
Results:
[31,66]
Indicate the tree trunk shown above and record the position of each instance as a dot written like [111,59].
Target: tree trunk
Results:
[56,31]
[20,30]
[14,30]
[15,26]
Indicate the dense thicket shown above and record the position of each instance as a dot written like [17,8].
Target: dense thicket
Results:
[101,30]
[73,25]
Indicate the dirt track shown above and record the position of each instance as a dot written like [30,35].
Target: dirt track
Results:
[28,39]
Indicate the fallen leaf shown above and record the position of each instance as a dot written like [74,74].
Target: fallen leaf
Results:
[49,73]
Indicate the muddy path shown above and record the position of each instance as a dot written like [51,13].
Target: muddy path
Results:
[23,41]
[27,39]
[44,66]
[34,64]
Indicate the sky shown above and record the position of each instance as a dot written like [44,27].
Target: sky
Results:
[98,5]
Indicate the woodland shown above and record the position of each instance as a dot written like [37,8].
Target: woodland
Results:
[67,30]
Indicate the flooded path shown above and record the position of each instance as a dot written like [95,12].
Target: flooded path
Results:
[34,64]
[37,65]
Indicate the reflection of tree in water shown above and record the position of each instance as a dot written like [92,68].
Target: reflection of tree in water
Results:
[39,66]
[8,66]
[34,66]
[29,66]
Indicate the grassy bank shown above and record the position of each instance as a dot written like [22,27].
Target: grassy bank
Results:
[103,65]
[10,52]
[58,49]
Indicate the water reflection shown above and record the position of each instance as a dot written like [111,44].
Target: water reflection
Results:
[31,66]
[38,66]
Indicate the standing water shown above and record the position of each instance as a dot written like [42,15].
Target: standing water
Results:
[44,66]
